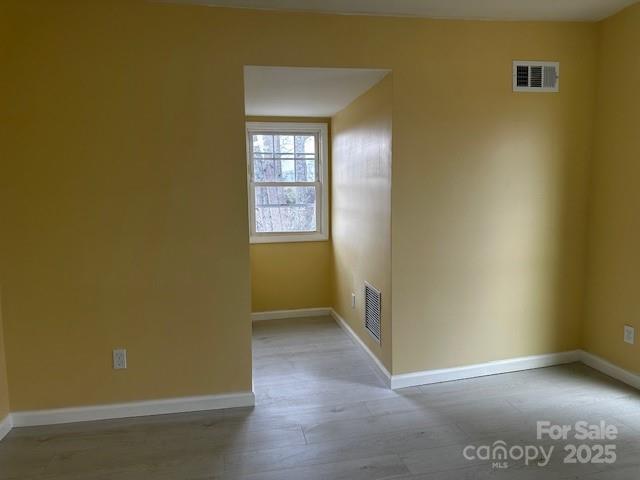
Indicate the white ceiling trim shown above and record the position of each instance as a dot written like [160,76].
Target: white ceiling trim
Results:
[510,10]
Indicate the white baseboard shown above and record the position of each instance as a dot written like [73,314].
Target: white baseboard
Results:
[386,376]
[608,368]
[5,426]
[514,365]
[298,313]
[427,377]
[133,409]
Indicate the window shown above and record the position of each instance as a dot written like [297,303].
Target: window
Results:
[288,182]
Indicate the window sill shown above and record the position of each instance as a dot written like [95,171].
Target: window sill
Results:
[288,237]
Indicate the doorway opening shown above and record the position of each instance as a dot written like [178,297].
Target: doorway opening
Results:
[319,195]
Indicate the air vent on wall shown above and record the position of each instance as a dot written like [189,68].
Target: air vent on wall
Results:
[372,310]
[536,76]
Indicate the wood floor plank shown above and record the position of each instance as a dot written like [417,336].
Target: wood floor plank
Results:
[374,468]
[344,449]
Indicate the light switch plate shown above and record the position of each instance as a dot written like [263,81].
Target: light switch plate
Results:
[629,334]
[353,300]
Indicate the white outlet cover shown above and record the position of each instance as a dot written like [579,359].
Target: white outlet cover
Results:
[119,359]
[629,334]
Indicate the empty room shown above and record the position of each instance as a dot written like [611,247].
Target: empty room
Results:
[320,240]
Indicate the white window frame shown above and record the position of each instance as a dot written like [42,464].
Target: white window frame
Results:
[322,196]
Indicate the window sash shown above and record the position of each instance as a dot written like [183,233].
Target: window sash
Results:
[319,133]
[318,207]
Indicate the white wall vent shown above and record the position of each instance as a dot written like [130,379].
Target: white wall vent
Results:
[536,76]
[372,311]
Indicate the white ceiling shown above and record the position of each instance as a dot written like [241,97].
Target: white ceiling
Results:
[556,10]
[304,92]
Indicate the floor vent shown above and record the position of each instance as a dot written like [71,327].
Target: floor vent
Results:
[372,311]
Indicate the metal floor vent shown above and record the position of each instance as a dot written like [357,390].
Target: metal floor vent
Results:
[372,310]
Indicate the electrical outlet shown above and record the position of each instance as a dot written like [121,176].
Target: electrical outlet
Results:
[629,334]
[119,358]
[353,300]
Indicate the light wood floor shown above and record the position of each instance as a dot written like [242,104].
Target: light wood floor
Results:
[322,413]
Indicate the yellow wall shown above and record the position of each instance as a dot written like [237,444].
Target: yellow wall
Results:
[287,276]
[123,190]
[614,260]
[489,194]
[123,194]
[4,388]
[361,209]
[290,275]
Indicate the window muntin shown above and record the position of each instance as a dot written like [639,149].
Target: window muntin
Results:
[287,188]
